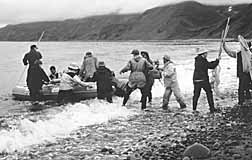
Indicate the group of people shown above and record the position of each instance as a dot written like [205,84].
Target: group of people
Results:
[143,72]
[90,71]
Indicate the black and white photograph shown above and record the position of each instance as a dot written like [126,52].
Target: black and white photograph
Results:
[125,79]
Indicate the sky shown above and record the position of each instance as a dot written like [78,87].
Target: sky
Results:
[20,11]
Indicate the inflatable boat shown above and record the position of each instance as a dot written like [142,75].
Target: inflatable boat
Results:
[50,92]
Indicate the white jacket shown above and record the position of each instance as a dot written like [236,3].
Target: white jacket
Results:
[169,74]
[67,82]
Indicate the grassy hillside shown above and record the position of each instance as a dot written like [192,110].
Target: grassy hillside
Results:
[177,21]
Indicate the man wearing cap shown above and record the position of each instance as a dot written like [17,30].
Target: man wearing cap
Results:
[138,66]
[88,67]
[201,79]
[103,79]
[171,83]
[242,74]
[68,82]
[30,58]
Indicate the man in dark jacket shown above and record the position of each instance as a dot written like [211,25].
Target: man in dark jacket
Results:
[244,77]
[201,79]
[36,80]
[103,79]
[30,58]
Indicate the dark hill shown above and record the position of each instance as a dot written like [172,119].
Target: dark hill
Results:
[177,21]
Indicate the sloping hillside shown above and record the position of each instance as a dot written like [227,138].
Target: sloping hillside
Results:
[74,29]
[177,21]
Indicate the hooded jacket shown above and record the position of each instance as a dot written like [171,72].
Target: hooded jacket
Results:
[88,67]
[169,74]
[103,79]
[201,68]
[138,67]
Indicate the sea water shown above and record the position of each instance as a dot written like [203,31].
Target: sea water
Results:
[21,127]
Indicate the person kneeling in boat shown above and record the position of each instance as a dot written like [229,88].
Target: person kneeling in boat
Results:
[103,78]
[37,77]
[68,81]
[54,76]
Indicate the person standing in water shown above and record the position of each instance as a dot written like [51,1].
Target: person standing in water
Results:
[68,81]
[31,58]
[137,67]
[88,67]
[148,75]
[36,80]
[242,74]
[171,84]
[103,78]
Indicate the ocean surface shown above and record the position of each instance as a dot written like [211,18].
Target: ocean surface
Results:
[21,127]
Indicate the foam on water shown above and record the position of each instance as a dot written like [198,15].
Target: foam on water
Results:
[28,133]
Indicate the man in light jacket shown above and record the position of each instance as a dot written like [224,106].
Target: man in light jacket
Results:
[137,79]
[88,67]
[242,75]
[171,84]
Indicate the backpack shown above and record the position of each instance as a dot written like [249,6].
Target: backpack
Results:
[155,73]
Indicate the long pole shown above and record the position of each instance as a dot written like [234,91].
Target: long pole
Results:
[41,36]
[217,70]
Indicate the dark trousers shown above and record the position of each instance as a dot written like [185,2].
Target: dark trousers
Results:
[196,93]
[106,96]
[65,96]
[148,89]
[130,90]
[243,89]
[35,94]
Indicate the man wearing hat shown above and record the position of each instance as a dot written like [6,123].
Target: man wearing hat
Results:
[242,74]
[171,83]
[68,82]
[103,79]
[88,67]
[137,67]
[30,58]
[201,79]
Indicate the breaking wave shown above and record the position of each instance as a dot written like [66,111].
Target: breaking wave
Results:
[27,132]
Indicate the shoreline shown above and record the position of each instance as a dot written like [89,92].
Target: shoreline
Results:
[155,134]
